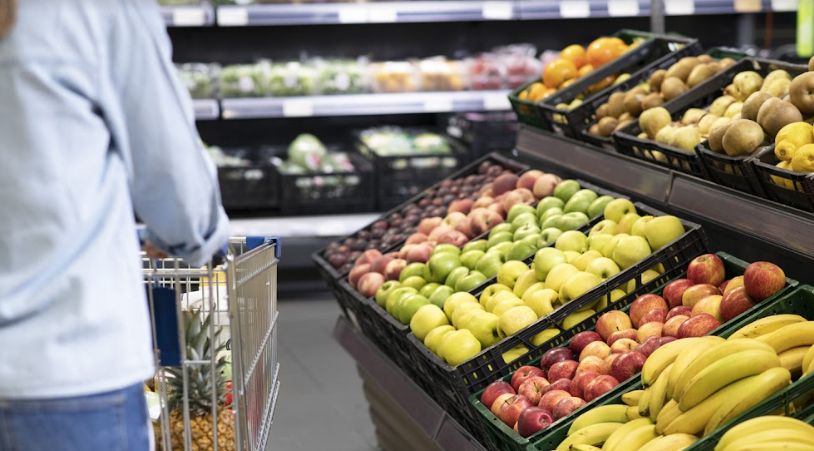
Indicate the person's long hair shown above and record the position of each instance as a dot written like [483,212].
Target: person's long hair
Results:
[8,10]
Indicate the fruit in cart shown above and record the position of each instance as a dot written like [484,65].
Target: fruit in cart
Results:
[774,114]
[742,137]
[553,396]
[555,355]
[511,408]
[611,322]
[706,269]
[582,339]
[672,325]
[532,388]
[627,364]
[370,283]
[495,390]
[763,279]
[599,386]
[710,305]
[566,406]
[544,185]
[595,349]
[516,319]
[458,346]
[621,335]
[433,339]
[768,432]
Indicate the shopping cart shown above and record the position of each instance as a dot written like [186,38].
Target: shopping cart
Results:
[203,320]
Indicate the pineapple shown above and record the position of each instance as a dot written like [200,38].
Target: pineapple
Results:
[200,346]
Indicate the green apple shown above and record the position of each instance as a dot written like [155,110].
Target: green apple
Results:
[440,266]
[408,305]
[638,227]
[384,291]
[541,301]
[488,292]
[455,275]
[479,245]
[489,264]
[502,249]
[627,222]
[548,214]
[470,281]
[502,227]
[548,203]
[552,221]
[449,248]
[577,285]
[525,230]
[484,326]
[603,267]
[604,226]
[545,259]
[440,295]
[522,219]
[455,300]
[427,318]
[550,234]
[395,297]
[458,347]
[416,282]
[504,302]
[630,250]
[459,317]
[470,258]
[618,208]
[585,194]
[520,250]
[582,261]
[597,207]
[518,209]
[510,271]
[663,230]
[434,337]
[579,204]
[413,269]
[523,282]
[516,319]
[572,240]
[536,286]
[571,256]
[428,289]
[498,238]
[565,189]
[610,245]
[597,241]
[558,275]
[535,239]
[571,221]
[647,276]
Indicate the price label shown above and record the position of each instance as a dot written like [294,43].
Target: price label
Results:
[747,6]
[438,104]
[784,5]
[298,108]
[500,10]
[623,8]
[188,17]
[679,7]
[383,15]
[233,16]
[497,102]
[352,14]
[575,9]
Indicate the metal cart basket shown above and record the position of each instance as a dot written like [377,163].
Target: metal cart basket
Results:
[204,318]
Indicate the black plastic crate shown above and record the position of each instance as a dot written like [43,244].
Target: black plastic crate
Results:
[735,172]
[451,386]
[250,186]
[657,53]
[782,185]
[484,132]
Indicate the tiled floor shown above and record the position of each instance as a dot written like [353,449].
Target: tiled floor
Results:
[321,405]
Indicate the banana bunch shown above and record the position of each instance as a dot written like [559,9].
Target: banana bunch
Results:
[768,432]
[790,336]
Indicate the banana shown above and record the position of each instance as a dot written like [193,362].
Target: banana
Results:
[790,336]
[761,424]
[633,413]
[712,355]
[631,398]
[686,357]
[693,421]
[784,435]
[808,359]
[644,403]
[663,356]
[761,387]
[590,435]
[620,434]
[723,372]
[810,368]
[674,442]
[668,413]
[636,438]
[778,445]
[658,393]
[582,447]
[792,359]
[613,413]
[765,326]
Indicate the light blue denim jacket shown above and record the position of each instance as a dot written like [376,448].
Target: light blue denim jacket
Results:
[94,125]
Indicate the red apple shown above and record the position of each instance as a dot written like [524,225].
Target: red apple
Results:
[611,322]
[664,340]
[370,283]
[357,272]
[393,269]
[623,345]
[493,390]
[648,346]
[553,356]
[498,403]
[562,384]
[695,293]
[551,398]
[580,340]
[416,238]
[528,178]
[608,362]
[600,386]
[532,388]
[532,420]
[566,406]
[427,225]
[670,328]
[658,316]
[523,373]
[763,279]
[643,305]
[581,380]
[563,370]
[511,409]
[723,285]
[649,330]
[504,183]
[706,269]
[674,290]
[698,325]
[597,348]
[618,335]
[627,365]
[367,257]
[734,303]
[731,284]
[709,304]
[460,205]
[590,363]
[681,310]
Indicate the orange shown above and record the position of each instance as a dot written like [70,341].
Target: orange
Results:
[558,71]
[574,53]
[602,84]
[604,50]
[585,70]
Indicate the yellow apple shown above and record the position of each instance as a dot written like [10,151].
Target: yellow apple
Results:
[459,317]
[484,326]
[433,338]
[505,304]
[572,240]
[545,259]
[583,260]
[558,275]
[610,245]
[526,280]
[427,318]
[638,226]
[510,271]
[618,208]
[489,292]
[603,267]
[626,223]
[571,256]
[577,285]
[514,353]
[516,319]
[598,241]
[663,230]
[541,301]
[458,347]
[630,250]
[455,300]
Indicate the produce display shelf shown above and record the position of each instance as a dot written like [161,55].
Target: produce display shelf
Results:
[420,408]
[364,104]
[302,226]
[753,216]
[206,109]
[188,15]
[571,9]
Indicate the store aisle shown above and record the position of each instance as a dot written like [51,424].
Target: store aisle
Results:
[321,404]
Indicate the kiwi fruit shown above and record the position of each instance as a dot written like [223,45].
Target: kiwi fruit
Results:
[682,68]
[652,100]
[705,124]
[774,114]
[800,93]
[752,105]
[672,87]
[686,138]
[742,137]
[653,120]
[699,73]
[720,105]
[716,133]
[633,102]
[607,125]
[616,104]
[692,116]
[602,111]
[655,80]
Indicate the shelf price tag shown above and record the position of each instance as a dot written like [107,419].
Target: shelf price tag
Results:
[383,14]
[438,104]
[497,10]
[496,102]
[352,14]
[188,17]
[298,108]
[233,16]
[623,8]
[575,9]
[679,7]
[784,5]
[747,6]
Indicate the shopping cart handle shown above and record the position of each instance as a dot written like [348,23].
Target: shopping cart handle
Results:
[256,241]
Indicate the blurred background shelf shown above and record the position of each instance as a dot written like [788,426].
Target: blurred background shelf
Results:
[206,109]
[188,15]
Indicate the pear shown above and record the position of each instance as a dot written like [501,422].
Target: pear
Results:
[705,124]
[655,80]
[652,100]
[704,58]
[801,93]
[594,129]
[653,120]
[699,73]
[716,133]
[720,105]
[672,87]
[602,111]
[752,105]
[811,64]
[692,116]
[742,137]
[774,114]
[622,124]
[726,62]
[715,67]
[686,138]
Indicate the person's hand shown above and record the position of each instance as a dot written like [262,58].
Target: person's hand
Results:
[153,251]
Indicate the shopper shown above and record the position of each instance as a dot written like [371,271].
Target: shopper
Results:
[93,127]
